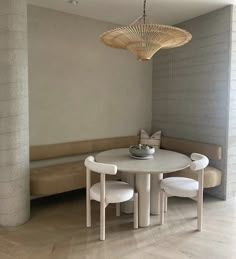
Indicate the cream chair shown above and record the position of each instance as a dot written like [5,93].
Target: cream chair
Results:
[186,187]
[107,192]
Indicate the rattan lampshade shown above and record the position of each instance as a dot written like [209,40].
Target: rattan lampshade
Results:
[144,39]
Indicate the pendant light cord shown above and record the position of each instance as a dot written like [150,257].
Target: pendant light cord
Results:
[144,11]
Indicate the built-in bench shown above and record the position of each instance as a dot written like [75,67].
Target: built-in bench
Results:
[63,177]
[58,178]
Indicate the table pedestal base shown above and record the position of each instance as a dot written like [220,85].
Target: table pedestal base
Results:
[143,188]
[128,206]
[155,193]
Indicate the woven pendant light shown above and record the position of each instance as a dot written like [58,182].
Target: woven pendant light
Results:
[144,39]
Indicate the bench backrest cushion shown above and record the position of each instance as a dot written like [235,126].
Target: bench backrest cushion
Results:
[188,147]
[50,151]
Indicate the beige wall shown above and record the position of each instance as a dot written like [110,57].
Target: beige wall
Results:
[79,88]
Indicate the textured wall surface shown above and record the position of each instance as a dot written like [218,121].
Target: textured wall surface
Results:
[14,144]
[190,86]
[231,163]
[79,88]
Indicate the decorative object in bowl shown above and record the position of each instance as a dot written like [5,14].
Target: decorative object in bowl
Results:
[141,150]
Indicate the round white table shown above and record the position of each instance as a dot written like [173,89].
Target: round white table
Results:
[163,161]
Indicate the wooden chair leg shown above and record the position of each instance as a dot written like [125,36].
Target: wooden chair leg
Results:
[136,210]
[200,200]
[88,200]
[162,194]
[102,220]
[118,209]
[88,211]
[199,212]
[165,203]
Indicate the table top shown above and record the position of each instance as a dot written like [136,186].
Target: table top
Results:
[164,161]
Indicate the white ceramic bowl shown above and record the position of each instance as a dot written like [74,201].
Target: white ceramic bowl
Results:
[141,150]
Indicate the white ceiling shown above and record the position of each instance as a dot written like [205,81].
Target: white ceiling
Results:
[126,11]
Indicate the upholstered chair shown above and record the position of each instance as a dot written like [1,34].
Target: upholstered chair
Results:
[186,187]
[107,192]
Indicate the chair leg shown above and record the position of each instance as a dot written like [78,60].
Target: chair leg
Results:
[88,211]
[162,194]
[165,203]
[136,210]
[199,212]
[102,220]
[200,200]
[118,209]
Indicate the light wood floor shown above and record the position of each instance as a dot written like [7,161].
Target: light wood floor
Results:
[57,230]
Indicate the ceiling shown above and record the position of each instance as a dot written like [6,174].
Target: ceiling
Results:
[126,11]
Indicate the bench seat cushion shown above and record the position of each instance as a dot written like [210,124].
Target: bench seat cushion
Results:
[60,178]
[212,176]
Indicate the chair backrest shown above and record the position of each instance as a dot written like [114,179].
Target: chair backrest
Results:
[199,162]
[100,167]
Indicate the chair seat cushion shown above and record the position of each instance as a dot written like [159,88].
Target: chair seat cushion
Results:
[180,187]
[212,175]
[116,192]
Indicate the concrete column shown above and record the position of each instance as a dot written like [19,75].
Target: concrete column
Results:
[14,134]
